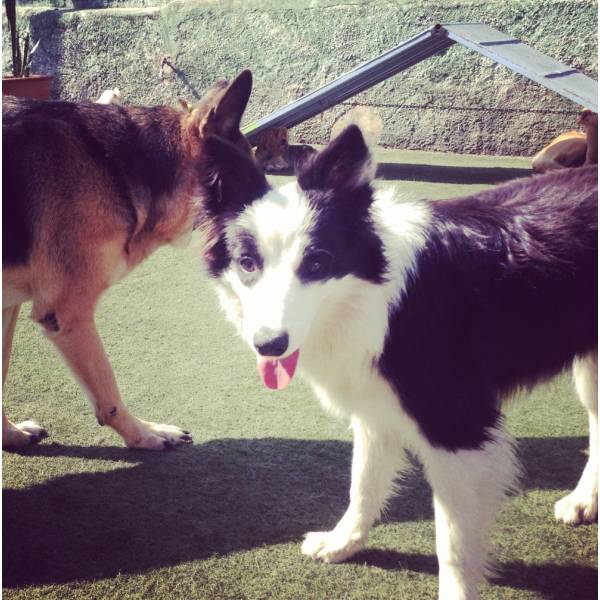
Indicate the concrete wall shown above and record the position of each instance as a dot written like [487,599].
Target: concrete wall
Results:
[458,102]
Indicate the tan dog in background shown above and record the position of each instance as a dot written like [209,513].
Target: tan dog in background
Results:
[570,149]
[275,153]
[589,120]
[90,191]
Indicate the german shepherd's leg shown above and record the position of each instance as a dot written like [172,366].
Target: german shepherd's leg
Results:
[581,505]
[81,346]
[28,432]
[376,460]
[468,487]
[9,323]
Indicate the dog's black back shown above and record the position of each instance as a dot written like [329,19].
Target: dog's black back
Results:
[504,294]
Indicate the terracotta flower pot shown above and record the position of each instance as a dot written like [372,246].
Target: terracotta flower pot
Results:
[34,86]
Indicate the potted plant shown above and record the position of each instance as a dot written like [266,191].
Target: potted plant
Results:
[21,82]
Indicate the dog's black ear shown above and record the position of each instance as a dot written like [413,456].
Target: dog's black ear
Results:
[344,165]
[232,180]
[224,118]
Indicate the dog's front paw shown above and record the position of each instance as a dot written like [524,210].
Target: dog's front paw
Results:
[155,436]
[577,508]
[23,434]
[332,546]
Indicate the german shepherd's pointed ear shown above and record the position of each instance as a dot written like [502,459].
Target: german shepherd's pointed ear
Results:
[224,117]
[345,164]
[232,180]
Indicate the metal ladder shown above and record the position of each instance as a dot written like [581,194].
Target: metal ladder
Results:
[490,42]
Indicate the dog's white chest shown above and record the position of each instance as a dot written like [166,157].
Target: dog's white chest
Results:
[339,360]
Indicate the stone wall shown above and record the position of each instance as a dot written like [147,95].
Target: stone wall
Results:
[459,102]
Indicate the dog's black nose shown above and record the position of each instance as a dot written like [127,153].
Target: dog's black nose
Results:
[270,343]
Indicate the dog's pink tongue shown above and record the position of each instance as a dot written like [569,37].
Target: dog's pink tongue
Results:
[277,373]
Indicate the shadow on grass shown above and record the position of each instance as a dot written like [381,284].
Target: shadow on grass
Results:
[157,510]
[448,173]
[551,581]
[439,173]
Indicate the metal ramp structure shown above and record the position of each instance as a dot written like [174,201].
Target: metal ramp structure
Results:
[490,42]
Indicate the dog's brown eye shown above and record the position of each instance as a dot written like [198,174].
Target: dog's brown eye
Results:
[316,265]
[248,264]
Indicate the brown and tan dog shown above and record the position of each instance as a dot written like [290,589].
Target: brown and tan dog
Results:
[275,153]
[570,149]
[89,191]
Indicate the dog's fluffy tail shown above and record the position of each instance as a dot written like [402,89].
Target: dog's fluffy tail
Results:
[110,97]
[366,118]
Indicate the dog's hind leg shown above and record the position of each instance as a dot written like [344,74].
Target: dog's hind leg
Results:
[80,345]
[376,461]
[581,505]
[468,487]
[28,432]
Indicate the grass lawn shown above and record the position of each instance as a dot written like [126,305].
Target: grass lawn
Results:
[85,518]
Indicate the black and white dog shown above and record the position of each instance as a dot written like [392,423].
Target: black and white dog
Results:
[414,320]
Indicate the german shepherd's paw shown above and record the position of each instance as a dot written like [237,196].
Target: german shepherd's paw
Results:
[577,508]
[23,434]
[332,546]
[156,436]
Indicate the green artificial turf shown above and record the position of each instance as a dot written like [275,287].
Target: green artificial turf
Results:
[85,518]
